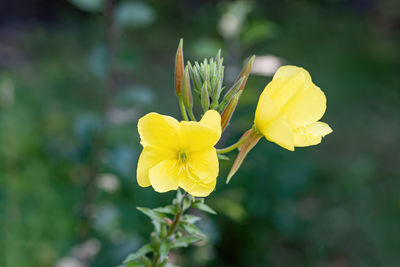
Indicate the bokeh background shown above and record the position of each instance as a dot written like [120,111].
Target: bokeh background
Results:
[69,144]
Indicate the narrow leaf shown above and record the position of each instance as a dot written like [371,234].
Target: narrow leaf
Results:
[222,157]
[170,209]
[164,248]
[140,252]
[185,241]
[205,208]
[192,229]
[154,215]
[190,218]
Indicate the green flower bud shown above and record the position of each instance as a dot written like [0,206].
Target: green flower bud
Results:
[205,98]
[187,91]
[231,92]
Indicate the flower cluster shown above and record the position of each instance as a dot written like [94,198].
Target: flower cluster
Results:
[182,154]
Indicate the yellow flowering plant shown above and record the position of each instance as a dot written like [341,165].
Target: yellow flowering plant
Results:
[181,155]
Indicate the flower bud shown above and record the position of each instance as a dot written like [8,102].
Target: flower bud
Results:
[194,74]
[187,91]
[232,92]
[228,111]
[205,98]
[179,69]
[246,72]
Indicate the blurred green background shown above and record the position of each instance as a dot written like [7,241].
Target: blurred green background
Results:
[68,190]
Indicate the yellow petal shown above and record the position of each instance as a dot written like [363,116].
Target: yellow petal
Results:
[311,134]
[159,131]
[290,70]
[299,98]
[283,89]
[266,110]
[148,159]
[280,132]
[307,106]
[165,175]
[197,136]
[204,165]
[196,188]
[212,119]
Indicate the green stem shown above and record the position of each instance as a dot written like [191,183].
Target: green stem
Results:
[231,147]
[183,110]
[191,115]
[172,228]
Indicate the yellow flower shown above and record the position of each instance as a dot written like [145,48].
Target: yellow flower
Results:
[179,154]
[289,109]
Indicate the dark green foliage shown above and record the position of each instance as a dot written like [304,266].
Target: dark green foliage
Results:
[336,204]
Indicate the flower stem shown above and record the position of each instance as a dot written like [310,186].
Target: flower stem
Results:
[191,115]
[172,228]
[183,110]
[231,147]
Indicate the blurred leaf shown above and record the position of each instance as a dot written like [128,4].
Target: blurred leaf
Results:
[154,215]
[134,14]
[192,229]
[222,157]
[191,218]
[204,207]
[164,248]
[185,241]
[88,5]
[186,203]
[142,251]
[167,209]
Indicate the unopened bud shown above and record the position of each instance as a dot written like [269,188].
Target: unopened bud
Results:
[205,98]
[194,74]
[228,111]
[179,69]
[246,72]
[187,91]
[168,221]
[231,92]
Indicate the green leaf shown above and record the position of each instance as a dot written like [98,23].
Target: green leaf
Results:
[140,252]
[190,219]
[154,215]
[185,241]
[164,248]
[147,262]
[179,195]
[192,229]
[186,203]
[223,157]
[204,207]
[170,209]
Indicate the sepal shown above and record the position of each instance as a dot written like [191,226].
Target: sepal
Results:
[251,139]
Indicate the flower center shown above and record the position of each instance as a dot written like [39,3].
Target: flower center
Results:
[182,156]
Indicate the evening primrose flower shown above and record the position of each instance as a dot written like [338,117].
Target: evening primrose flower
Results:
[289,110]
[179,154]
